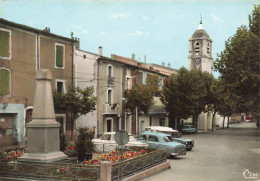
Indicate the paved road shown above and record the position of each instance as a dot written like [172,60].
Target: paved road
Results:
[222,155]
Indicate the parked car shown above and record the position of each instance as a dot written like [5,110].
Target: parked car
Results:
[188,129]
[177,136]
[107,143]
[162,141]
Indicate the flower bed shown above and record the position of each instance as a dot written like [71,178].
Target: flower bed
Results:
[114,157]
[12,155]
[132,162]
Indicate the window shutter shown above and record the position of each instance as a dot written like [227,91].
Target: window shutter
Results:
[4,43]
[4,79]
[59,56]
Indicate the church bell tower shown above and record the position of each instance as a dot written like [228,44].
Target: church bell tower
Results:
[200,46]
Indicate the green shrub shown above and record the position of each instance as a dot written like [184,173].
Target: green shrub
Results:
[84,145]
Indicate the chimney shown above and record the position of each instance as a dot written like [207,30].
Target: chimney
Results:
[100,50]
[163,63]
[144,59]
[77,43]
[47,30]
[133,56]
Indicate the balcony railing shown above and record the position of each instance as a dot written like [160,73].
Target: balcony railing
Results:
[111,108]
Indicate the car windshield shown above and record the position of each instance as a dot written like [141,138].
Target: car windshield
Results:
[177,135]
[167,138]
[106,137]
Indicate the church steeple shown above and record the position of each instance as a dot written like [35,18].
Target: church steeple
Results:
[200,25]
[200,50]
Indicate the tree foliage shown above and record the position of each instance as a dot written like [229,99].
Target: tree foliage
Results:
[184,94]
[75,102]
[238,65]
[141,96]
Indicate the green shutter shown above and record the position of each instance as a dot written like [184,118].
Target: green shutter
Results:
[4,82]
[59,56]
[4,43]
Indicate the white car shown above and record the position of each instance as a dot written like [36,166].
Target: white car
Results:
[107,143]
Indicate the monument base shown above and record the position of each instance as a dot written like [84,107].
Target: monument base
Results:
[42,157]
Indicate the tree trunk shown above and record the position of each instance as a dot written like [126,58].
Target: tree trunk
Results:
[223,122]
[178,123]
[212,122]
[258,121]
[175,122]
[195,120]
[137,121]
[72,128]
[228,122]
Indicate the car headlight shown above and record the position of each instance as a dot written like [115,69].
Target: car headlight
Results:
[186,143]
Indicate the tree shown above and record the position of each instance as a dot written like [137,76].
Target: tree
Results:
[225,102]
[213,96]
[75,102]
[183,95]
[238,65]
[84,145]
[140,97]
[199,93]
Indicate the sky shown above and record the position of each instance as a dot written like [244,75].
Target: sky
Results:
[156,29]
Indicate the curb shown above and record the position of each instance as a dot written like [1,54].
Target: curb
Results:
[149,172]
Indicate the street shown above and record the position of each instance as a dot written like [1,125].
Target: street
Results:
[222,155]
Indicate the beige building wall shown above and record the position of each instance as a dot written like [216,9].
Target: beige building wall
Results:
[47,60]
[86,76]
[109,115]
[21,65]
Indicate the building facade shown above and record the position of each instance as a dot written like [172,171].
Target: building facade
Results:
[86,76]
[23,51]
[200,50]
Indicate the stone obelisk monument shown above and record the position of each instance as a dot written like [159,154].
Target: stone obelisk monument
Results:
[43,142]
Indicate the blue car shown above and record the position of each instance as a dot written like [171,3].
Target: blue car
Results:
[189,129]
[177,136]
[162,141]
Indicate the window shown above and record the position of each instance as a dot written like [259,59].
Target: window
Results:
[160,83]
[5,43]
[144,77]
[128,79]
[167,139]
[153,138]
[109,96]
[109,71]
[61,118]
[110,75]
[60,86]
[208,48]
[59,55]
[127,83]
[109,125]
[197,47]
[162,122]
[5,82]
